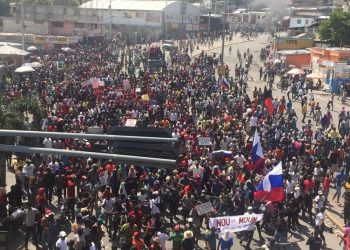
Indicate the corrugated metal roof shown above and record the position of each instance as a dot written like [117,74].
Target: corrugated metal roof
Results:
[127,5]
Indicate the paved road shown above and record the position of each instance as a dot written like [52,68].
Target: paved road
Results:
[298,238]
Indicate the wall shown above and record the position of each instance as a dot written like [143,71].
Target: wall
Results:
[298,60]
[301,21]
[66,30]
[12,25]
[292,43]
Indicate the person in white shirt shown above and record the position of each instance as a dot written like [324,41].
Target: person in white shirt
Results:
[28,169]
[319,224]
[108,204]
[240,159]
[319,200]
[62,242]
[162,239]
[249,233]
[154,203]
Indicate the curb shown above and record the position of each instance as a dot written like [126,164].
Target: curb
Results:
[226,44]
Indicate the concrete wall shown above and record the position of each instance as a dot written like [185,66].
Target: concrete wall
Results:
[298,60]
[13,25]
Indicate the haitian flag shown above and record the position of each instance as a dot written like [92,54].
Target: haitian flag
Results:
[271,187]
[225,84]
[257,154]
[269,106]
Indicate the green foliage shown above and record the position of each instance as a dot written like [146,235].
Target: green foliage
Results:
[335,30]
[4,8]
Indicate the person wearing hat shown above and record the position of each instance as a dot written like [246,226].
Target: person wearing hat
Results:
[62,242]
[226,241]
[176,237]
[155,244]
[319,200]
[137,242]
[162,239]
[188,242]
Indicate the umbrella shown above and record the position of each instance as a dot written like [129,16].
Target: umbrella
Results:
[275,61]
[296,72]
[24,69]
[314,76]
[6,50]
[32,48]
[66,49]
[36,65]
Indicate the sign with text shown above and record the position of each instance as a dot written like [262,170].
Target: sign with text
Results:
[204,208]
[204,141]
[221,70]
[130,123]
[235,223]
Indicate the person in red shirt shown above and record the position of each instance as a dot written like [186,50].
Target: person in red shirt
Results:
[325,187]
[70,195]
[309,185]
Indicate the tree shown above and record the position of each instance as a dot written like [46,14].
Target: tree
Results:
[335,30]
[4,8]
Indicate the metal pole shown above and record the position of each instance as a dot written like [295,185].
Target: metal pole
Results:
[24,133]
[223,35]
[182,23]
[110,17]
[165,19]
[127,159]
[22,22]
[209,22]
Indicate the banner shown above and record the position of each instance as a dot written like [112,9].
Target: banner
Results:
[204,208]
[235,223]
[204,141]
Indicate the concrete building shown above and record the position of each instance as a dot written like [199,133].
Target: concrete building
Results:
[299,58]
[98,17]
[333,64]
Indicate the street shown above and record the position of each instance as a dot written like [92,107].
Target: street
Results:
[298,238]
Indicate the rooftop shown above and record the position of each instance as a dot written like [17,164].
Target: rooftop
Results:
[293,52]
[127,5]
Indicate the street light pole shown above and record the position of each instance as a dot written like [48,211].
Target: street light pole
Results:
[165,19]
[22,22]
[223,35]
[209,22]
[182,23]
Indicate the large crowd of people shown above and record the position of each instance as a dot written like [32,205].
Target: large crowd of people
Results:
[137,207]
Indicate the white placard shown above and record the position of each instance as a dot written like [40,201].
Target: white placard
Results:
[204,208]
[130,123]
[204,141]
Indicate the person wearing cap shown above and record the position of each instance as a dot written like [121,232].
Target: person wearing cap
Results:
[155,244]
[137,242]
[319,200]
[62,242]
[176,237]
[320,224]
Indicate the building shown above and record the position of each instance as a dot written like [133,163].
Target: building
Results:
[291,43]
[332,63]
[98,17]
[310,2]
[243,18]
[299,58]
[301,18]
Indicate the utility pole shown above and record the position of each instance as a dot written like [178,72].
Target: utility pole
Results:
[209,22]
[110,17]
[183,9]
[22,23]
[165,19]
[223,35]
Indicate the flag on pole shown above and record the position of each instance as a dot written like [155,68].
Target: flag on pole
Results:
[269,106]
[271,187]
[257,154]
[225,84]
